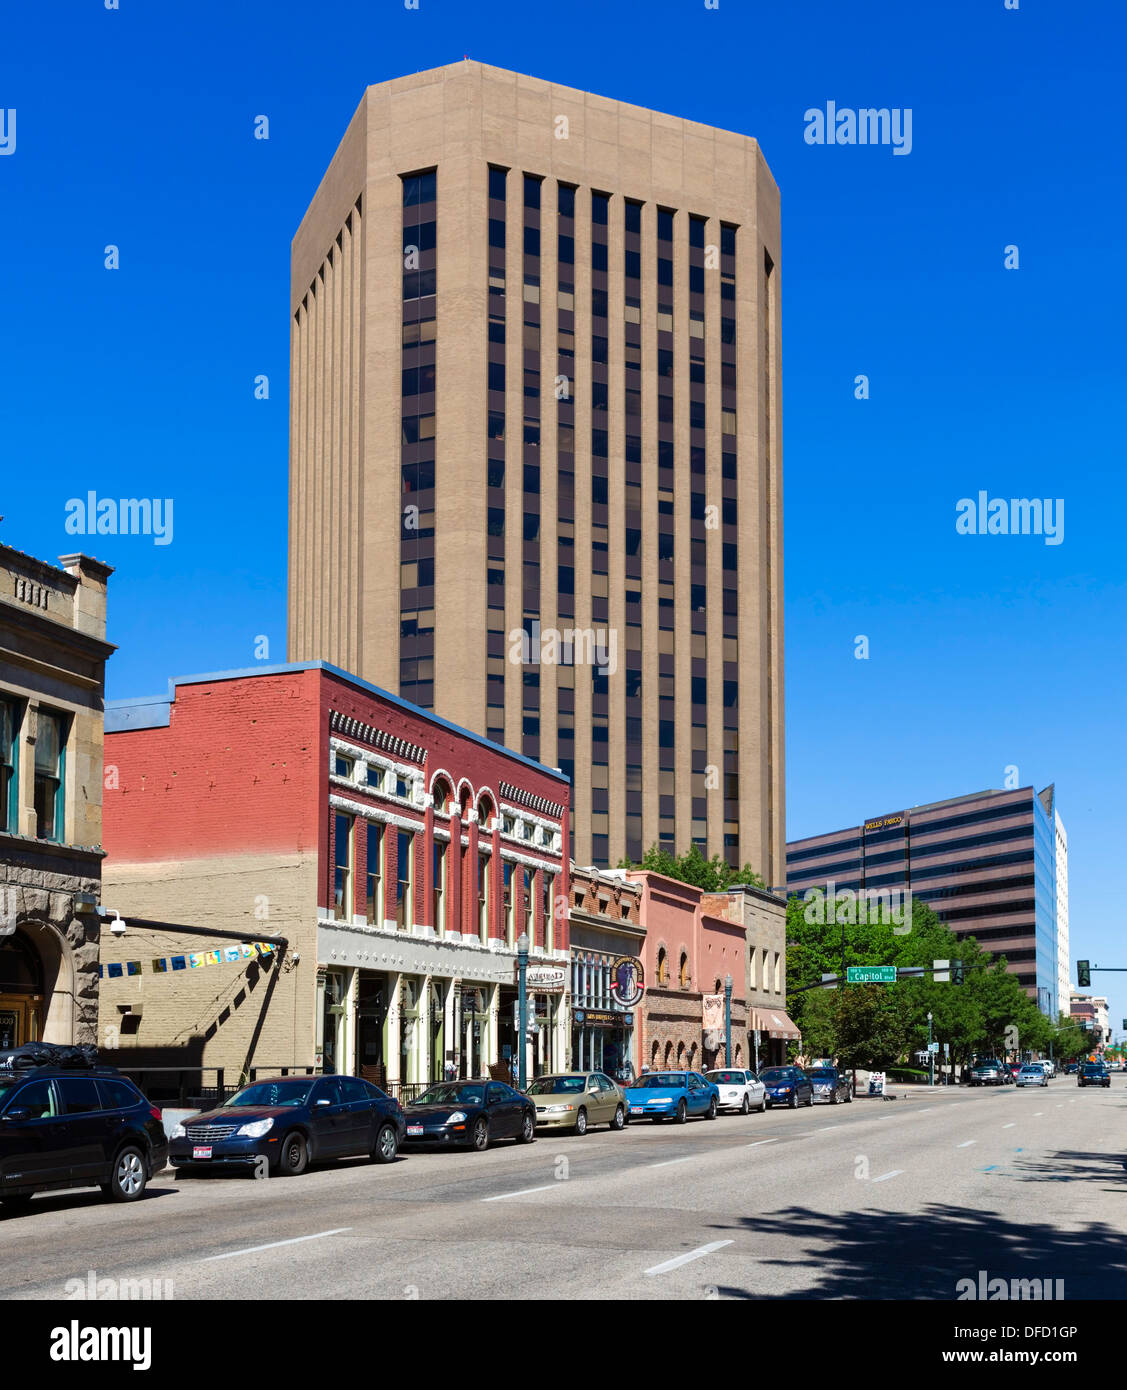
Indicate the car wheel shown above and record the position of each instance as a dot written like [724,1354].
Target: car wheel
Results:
[763,1105]
[294,1158]
[386,1147]
[792,1104]
[127,1182]
[682,1112]
[479,1135]
[711,1109]
[810,1100]
[527,1129]
[833,1098]
[745,1108]
[619,1121]
[581,1122]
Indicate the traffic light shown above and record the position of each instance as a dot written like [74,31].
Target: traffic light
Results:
[1083,974]
[957,976]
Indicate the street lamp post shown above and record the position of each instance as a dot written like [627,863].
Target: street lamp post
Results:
[522,1006]
[727,1020]
[930,1055]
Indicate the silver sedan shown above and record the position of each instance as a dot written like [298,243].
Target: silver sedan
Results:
[739,1090]
[1032,1075]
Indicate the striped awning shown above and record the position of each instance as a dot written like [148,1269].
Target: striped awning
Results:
[775,1022]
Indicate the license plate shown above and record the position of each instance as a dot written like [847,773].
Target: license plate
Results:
[201,1151]
[414,1129]
[635,1110]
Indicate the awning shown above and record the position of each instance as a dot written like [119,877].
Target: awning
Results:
[774,1022]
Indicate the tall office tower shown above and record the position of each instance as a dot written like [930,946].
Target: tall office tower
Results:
[989,864]
[535,463]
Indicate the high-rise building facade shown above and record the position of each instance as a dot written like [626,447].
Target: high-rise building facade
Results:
[986,863]
[535,465]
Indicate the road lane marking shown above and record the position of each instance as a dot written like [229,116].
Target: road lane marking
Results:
[296,1240]
[1037,1112]
[504,1196]
[667,1161]
[966,1143]
[884,1177]
[924,1110]
[1010,1125]
[989,1169]
[761,1141]
[822,1128]
[697,1254]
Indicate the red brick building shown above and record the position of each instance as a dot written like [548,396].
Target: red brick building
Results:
[400,856]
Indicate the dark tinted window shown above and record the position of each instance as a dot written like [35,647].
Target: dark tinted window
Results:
[352,1088]
[496,1094]
[35,1098]
[118,1095]
[326,1089]
[80,1094]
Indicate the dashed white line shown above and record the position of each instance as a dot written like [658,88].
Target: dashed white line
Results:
[503,1196]
[884,1177]
[296,1240]
[761,1141]
[1010,1125]
[1037,1112]
[667,1161]
[697,1254]
[966,1143]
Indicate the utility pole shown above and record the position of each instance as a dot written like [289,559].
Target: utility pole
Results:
[930,1055]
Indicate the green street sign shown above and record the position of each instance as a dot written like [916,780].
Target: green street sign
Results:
[871,975]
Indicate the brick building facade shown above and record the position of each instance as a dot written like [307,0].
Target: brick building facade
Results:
[399,856]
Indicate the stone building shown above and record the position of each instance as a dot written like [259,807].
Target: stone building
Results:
[606,934]
[53,655]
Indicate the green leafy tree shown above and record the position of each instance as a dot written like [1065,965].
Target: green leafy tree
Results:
[712,875]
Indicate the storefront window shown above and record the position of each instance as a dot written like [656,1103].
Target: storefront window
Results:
[549,914]
[483,896]
[439,870]
[507,901]
[9,762]
[375,873]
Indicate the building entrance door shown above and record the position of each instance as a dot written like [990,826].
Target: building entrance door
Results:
[19,1020]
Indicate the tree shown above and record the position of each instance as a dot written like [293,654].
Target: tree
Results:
[711,875]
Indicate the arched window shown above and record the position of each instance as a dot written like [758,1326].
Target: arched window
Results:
[662,966]
[719,988]
[668,1054]
[683,971]
[680,1056]
[655,1053]
[442,795]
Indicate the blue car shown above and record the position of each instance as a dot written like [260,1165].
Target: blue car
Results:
[788,1086]
[672,1095]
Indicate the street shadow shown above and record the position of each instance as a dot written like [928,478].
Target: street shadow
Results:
[1075,1167]
[923,1255]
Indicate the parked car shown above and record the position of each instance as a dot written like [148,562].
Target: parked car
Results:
[665,1095]
[739,1090]
[289,1122]
[1013,1068]
[988,1073]
[1032,1074]
[470,1115]
[788,1086]
[1093,1074]
[576,1100]
[1049,1066]
[830,1084]
[79,1125]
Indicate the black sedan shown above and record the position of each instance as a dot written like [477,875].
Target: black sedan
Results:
[830,1085]
[1093,1074]
[470,1114]
[289,1122]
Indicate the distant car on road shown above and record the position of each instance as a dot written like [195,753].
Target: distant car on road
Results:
[830,1084]
[1093,1074]
[988,1073]
[665,1095]
[789,1086]
[1050,1067]
[577,1100]
[1014,1068]
[1032,1074]
[739,1090]
[470,1115]
[290,1122]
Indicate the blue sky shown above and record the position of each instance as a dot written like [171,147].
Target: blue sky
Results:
[134,128]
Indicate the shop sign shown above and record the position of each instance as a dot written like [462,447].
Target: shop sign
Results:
[544,979]
[628,981]
[600,1018]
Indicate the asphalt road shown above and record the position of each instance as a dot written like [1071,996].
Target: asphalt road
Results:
[878,1199]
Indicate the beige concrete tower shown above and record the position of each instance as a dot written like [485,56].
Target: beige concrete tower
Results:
[535,388]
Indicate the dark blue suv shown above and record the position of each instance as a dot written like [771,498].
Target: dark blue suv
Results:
[75,1126]
[286,1123]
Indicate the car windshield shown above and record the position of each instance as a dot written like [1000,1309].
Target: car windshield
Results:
[1092,1069]
[657,1079]
[821,1075]
[773,1074]
[727,1078]
[558,1085]
[452,1094]
[272,1093]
